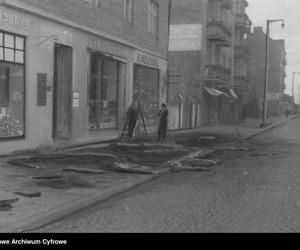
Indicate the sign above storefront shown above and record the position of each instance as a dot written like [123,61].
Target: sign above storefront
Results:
[185,37]
[109,47]
[13,19]
[147,60]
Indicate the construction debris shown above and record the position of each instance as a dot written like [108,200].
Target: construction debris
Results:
[83,170]
[172,145]
[234,149]
[198,162]
[28,194]
[166,150]
[67,182]
[207,138]
[20,163]
[123,144]
[132,169]
[7,200]
[48,177]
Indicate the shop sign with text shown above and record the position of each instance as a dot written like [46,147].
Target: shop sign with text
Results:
[147,60]
[15,20]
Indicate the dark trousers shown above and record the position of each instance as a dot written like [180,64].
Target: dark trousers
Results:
[162,129]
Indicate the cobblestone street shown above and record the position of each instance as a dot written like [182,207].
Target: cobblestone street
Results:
[251,192]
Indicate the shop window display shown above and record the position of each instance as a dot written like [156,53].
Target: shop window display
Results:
[12,53]
[104,93]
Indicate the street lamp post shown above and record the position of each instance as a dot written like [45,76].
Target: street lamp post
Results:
[265,107]
[293,89]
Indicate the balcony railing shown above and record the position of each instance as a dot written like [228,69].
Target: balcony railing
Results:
[242,22]
[218,73]
[217,31]
[241,52]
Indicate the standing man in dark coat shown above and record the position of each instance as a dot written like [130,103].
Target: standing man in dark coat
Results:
[163,122]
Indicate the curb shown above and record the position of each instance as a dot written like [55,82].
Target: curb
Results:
[271,127]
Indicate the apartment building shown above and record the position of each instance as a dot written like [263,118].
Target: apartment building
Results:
[201,63]
[69,69]
[187,55]
[241,53]
[219,95]
[277,73]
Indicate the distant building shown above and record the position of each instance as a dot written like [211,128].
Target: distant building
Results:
[287,102]
[201,63]
[69,69]
[256,44]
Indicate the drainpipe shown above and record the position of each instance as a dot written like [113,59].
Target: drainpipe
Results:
[169,23]
[232,53]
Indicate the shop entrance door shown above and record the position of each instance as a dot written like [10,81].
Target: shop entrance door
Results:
[62,92]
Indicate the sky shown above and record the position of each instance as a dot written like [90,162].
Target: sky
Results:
[289,10]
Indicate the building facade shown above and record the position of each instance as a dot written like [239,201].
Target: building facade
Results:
[219,95]
[71,68]
[201,63]
[256,44]
[187,52]
[241,53]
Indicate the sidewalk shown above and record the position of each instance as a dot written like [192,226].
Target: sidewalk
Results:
[65,193]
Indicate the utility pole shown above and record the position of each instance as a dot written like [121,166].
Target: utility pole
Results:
[265,104]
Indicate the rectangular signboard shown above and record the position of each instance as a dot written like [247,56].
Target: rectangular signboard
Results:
[185,37]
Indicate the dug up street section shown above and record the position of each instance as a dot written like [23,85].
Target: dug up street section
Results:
[45,186]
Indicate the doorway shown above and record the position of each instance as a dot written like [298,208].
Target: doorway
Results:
[62,92]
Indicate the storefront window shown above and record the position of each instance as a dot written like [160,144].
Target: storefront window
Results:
[146,92]
[12,53]
[104,92]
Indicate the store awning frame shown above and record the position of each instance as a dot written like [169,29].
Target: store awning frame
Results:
[215,92]
[178,98]
[234,95]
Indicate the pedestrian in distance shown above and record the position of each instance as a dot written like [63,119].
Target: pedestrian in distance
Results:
[244,114]
[287,113]
[163,122]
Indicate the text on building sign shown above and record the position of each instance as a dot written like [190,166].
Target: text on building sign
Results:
[13,20]
[147,60]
